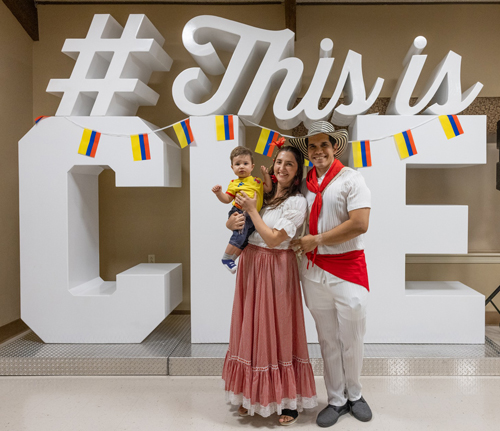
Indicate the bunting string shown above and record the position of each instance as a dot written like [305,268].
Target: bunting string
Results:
[268,140]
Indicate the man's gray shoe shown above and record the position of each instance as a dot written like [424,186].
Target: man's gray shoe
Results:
[330,415]
[361,410]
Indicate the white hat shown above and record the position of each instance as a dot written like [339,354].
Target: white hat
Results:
[316,128]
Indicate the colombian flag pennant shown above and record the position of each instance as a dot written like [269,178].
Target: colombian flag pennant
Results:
[89,142]
[405,144]
[361,154]
[40,118]
[184,133]
[140,147]
[265,144]
[451,125]
[308,164]
[224,127]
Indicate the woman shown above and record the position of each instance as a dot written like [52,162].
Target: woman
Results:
[267,366]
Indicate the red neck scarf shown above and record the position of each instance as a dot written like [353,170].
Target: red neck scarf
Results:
[312,186]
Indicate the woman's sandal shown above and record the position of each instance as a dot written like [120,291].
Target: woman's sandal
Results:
[242,411]
[294,414]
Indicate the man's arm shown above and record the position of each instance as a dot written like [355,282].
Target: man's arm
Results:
[355,226]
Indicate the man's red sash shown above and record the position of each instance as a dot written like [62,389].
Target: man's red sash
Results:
[350,266]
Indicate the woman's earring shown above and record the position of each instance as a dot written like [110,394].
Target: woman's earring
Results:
[297,181]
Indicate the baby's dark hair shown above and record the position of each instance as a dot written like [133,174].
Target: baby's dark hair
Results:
[241,151]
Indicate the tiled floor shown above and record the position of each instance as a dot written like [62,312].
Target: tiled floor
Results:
[493,333]
[168,351]
[197,403]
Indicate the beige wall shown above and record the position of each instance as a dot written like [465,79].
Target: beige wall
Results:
[137,222]
[16,107]
[382,34]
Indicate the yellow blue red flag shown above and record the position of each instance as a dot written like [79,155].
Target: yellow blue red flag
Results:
[361,154]
[140,147]
[224,127]
[405,144]
[265,144]
[184,133]
[40,118]
[89,142]
[451,125]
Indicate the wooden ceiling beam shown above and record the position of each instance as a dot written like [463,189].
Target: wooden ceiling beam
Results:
[291,15]
[26,13]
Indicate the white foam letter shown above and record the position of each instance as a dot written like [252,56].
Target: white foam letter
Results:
[443,87]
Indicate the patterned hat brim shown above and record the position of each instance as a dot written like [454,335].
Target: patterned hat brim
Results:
[340,137]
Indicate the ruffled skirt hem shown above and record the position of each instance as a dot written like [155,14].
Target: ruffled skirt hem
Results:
[299,403]
[269,390]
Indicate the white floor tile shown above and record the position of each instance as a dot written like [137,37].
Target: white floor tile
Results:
[198,403]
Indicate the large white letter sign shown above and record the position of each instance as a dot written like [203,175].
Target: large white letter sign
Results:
[443,89]
[278,70]
[351,83]
[202,35]
[63,299]
[418,312]
[113,67]
[212,285]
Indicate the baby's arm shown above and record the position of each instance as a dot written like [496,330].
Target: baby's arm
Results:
[268,183]
[223,197]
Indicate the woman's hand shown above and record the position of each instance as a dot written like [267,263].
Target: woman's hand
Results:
[236,221]
[246,203]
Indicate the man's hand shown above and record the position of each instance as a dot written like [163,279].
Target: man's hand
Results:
[217,189]
[305,244]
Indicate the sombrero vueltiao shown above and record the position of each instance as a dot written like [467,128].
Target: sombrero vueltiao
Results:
[316,128]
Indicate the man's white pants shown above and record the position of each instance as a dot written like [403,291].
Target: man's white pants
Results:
[339,310]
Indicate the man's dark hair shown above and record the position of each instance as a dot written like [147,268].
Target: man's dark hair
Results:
[333,141]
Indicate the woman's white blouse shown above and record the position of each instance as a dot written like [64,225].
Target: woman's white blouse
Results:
[289,215]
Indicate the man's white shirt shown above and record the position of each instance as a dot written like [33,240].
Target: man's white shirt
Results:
[346,193]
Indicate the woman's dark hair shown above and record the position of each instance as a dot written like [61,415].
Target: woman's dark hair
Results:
[294,186]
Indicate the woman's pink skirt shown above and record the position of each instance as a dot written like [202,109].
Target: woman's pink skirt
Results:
[267,366]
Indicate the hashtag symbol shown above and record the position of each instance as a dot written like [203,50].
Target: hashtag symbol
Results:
[113,67]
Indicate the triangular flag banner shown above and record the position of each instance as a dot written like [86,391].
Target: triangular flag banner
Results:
[89,142]
[361,154]
[140,147]
[265,144]
[184,133]
[308,164]
[224,127]
[40,118]
[451,125]
[405,144]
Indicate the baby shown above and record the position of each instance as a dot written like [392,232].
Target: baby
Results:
[242,165]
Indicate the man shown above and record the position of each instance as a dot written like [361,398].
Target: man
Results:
[334,276]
